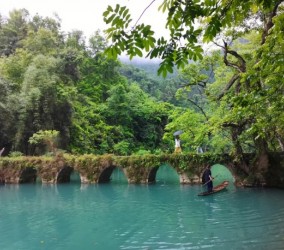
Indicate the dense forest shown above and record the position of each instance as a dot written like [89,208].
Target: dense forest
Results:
[58,84]
[236,89]
[53,81]
[56,81]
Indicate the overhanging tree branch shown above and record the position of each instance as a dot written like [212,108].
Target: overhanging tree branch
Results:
[241,67]
[268,22]
[201,109]
[229,85]
[143,12]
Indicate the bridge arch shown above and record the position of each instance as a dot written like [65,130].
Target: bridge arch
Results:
[28,175]
[75,176]
[236,172]
[152,175]
[118,176]
[167,174]
[64,174]
[105,175]
[221,173]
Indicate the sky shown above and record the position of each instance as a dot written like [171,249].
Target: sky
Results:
[86,15]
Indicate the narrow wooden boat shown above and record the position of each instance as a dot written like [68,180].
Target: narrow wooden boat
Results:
[216,189]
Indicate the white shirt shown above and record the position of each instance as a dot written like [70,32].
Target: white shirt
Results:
[177,143]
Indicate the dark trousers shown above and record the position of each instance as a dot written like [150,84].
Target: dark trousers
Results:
[210,186]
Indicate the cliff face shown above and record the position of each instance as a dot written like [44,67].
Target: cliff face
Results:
[272,175]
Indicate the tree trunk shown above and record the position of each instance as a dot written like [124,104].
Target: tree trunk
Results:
[239,151]
[262,155]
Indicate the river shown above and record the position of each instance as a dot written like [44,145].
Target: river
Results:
[117,215]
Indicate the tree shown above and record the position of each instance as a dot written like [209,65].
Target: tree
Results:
[158,87]
[13,31]
[8,110]
[189,22]
[48,137]
[45,103]
[247,95]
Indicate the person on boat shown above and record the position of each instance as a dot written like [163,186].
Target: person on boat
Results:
[177,144]
[208,179]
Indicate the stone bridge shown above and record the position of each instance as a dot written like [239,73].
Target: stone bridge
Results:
[98,169]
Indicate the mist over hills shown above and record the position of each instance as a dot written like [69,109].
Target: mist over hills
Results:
[144,72]
[148,65]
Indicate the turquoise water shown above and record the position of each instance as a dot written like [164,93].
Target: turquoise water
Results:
[166,215]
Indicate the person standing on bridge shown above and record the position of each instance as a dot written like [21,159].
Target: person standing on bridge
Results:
[177,144]
[1,151]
